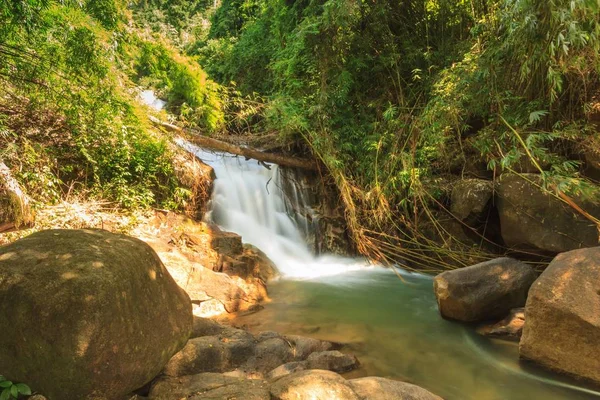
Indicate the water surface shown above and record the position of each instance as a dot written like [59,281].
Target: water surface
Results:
[395,330]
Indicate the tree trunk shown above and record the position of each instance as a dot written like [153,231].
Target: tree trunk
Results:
[219,145]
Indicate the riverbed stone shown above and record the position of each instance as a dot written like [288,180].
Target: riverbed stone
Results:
[484,291]
[205,327]
[334,360]
[313,384]
[562,330]
[533,220]
[220,353]
[87,313]
[510,328]
[286,369]
[176,388]
[374,388]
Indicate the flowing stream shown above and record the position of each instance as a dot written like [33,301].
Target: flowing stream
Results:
[392,326]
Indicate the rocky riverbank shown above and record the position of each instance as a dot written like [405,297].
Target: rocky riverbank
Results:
[559,326]
[103,318]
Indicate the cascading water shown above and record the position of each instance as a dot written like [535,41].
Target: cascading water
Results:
[397,324]
[248,199]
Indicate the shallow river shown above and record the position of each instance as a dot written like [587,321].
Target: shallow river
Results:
[392,326]
[395,330]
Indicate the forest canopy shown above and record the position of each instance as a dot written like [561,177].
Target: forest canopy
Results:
[397,98]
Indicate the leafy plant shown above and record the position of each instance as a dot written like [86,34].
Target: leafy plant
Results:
[10,390]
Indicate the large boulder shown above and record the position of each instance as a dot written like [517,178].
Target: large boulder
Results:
[484,291]
[470,199]
[374,388]
[533,220]
[313,384]
[562,329]
[15,211]
[87,314]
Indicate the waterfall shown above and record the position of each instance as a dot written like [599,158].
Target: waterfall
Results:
[248,199]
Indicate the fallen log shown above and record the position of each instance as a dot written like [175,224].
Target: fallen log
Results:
[219,145]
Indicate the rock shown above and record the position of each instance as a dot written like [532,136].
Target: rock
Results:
[320,203]
[171,388]
[510,328]
[246,389]
[483,291]
[304,346]
[15,211]
[286,369]
[563,316]
[197,177]
[332,361]
[269,354]
[470,199]
[313,384]
[209,386]
[373,388]
[205,327]
[212,354]
[591,157]
[258,262]
[87,313]
[234,293]
[227,243]
[533,220]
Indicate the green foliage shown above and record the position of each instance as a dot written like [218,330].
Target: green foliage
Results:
[392,94]
[10,390]
[72,123]
[189,91]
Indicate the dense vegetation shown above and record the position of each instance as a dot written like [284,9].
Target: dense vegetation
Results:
[397,98]
[69,119]
[400,98]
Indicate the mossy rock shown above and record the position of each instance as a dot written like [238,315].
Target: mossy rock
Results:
[87,314]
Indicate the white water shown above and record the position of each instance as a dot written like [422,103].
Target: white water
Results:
[248,199]
[149,98]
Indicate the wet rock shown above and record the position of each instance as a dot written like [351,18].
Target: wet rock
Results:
[332,361]
[304,346]
[533,220]
[510,328]
[483,291]
[258,262]
[373,388]
[563,316]
[313,384]
[286,369]
[470,199]
[101,312]
[15,211]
